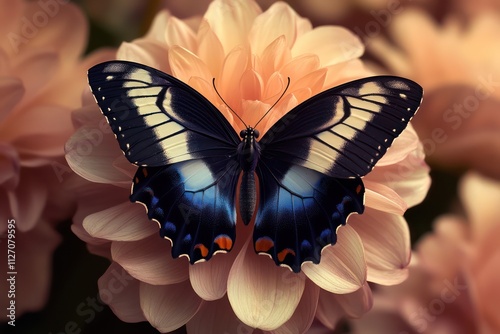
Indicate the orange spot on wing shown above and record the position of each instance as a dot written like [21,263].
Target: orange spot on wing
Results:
[145,172]
[284,253]
[224,242]
[202,248]
[358,189]
[136,180]
[263,244]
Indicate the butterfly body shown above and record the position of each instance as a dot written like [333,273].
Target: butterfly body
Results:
[308,166]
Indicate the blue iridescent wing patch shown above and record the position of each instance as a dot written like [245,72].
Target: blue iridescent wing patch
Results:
[309,164]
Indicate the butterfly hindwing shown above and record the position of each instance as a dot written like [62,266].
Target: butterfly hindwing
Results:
[300,211]
[344,131]
[156,118]
[193,202]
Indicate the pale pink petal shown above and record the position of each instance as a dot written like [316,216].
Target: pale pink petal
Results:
[10,12]
[158,26]
[90,153]
[238,16]
[149,260]
[9,167]
[123,222]
[209,278]
[483,213]
[380,197]
[346,47]
[273,57]
[120,292]
[344,72]
[342,268]
[168,307]
[28,200]
[185,64]
[33,260]
[11,91]
[261,294]
[304,314]
[147,52]
[233,68]
[279,21]
[179,33]
[406,143]
[210,49]
[332,307]
[67,33]
[300,65]
[215,318]
[386,241]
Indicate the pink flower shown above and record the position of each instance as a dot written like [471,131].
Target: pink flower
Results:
[457,65]
[453,287]
[250,53]
[41,81]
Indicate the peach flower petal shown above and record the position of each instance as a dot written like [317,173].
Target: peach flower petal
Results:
[146,52]
[217,317]
[210,49]
[120,292]
[149,261]
[386,240]
[124,222]
[379,196]
[11,91]
[185,64]
[238,15]
[161,312]
[304,314]
[261,294]
[90,153]
[30,193]
[349,46]
[405,144]
[343,266]
[278,21]
[179,33]
[332,307]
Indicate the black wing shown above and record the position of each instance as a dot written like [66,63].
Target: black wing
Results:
[313,158]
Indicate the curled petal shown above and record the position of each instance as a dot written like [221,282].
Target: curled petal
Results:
[342,268]
[261,294]
[124,222]
[346,47]
[149,260]
[120,292]
[386,241]
[238,16]
[168,307]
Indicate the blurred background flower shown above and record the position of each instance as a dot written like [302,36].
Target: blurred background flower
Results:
[41,77]
[449,47]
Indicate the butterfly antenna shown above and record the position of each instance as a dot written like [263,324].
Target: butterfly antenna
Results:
[275,103]
[215,88]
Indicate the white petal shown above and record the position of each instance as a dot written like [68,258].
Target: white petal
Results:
[124,222]
[261,294]
[386,241]
[149,260]
[168,307]
[342,268]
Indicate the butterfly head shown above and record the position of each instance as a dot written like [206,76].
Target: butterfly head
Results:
[249,132]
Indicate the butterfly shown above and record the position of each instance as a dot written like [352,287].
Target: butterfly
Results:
[194,169]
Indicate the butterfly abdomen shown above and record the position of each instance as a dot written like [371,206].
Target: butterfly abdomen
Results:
[248,156]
